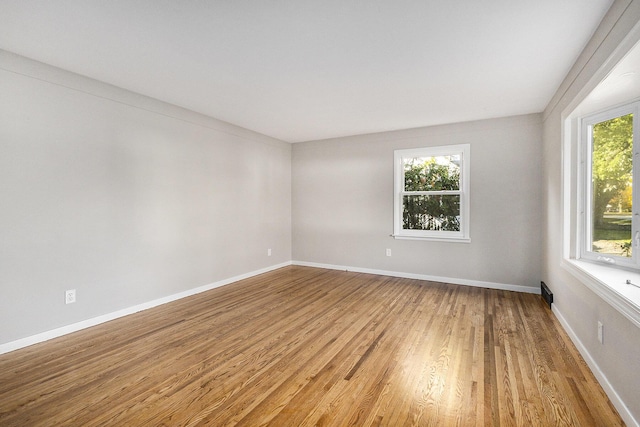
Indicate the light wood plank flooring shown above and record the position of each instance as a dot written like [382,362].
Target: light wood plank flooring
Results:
[303,347]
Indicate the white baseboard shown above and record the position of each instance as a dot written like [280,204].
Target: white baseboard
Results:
[453,280]
[602,379]
[54,333]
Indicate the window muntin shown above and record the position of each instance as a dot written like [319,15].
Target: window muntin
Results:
[609,228]
[432,193]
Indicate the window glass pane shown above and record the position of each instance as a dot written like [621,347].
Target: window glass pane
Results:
[611,172]
[432,173]
[437,212]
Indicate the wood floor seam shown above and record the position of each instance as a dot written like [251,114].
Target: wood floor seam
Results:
[304,346]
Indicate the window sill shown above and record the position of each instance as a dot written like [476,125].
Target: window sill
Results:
[434,239]
[610,284]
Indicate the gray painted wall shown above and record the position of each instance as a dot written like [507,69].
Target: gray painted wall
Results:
[618,359]
[128,199]
[124,198]
[343,203]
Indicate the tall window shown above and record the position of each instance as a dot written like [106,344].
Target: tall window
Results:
[431,198]
[609,226]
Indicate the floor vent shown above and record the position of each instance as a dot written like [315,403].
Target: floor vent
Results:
[546,293]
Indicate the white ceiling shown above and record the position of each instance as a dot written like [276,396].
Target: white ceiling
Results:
[621,85]
[302,70]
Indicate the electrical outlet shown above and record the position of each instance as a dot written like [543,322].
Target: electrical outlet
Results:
[388,252]
[70,296]
[269,252]
[600,332]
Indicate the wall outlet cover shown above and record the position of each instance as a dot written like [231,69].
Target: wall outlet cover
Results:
[70,296]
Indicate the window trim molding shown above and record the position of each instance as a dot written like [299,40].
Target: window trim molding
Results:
[461,236]
[605,280]
[585,142]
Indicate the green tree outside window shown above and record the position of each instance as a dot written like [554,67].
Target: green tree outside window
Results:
[428,208]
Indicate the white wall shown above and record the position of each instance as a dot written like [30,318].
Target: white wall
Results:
[343,203]
[616,362]
[124,198]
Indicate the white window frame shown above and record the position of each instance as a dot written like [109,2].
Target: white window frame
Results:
[607,280]
[464,150]
[585,189]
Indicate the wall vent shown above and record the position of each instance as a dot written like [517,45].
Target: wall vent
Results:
[546,293]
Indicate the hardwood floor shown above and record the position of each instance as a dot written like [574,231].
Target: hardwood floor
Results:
[301,347]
